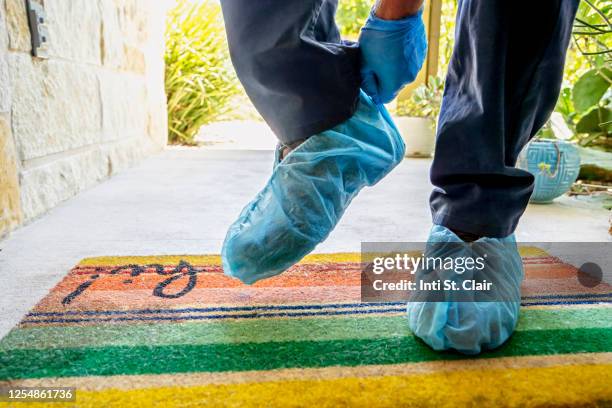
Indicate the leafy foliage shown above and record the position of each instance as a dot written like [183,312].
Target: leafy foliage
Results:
[590,88]
[587,109]
[447,33]
[593,31]
[351,16]
[586,103]
[592,93]
[200,81]
[425,101]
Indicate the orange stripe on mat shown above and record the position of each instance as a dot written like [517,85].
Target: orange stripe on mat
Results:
[123,282]
[142,299]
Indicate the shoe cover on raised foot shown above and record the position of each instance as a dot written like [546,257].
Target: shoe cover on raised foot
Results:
[309,191]
[471,326]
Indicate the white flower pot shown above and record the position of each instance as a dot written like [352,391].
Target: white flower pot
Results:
[418,134]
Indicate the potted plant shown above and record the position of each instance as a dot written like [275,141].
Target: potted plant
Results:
[416,117]
[583,116]
[555,164]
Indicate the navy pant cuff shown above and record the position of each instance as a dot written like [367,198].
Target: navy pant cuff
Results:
[473,227]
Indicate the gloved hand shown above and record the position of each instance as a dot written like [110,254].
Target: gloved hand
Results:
[393,52]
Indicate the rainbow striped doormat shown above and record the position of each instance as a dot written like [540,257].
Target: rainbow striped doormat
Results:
[174,331]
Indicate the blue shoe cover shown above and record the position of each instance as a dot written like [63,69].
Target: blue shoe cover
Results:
[470,327]
[309,191]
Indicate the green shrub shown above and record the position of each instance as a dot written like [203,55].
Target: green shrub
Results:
[351,16]
[447,34]
[200,81]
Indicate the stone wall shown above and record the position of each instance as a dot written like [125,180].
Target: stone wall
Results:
[10,208]
[94,107]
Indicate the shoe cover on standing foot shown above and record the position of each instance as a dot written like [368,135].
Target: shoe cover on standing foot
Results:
[308,193]
[471,326]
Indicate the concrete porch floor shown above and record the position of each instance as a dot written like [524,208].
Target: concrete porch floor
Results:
[181,202]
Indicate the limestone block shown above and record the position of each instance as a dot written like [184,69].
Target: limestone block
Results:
[125,31]
[5,89]
[155,75]
[5,86]
[44,187]
[157,122]
[74,30]
[157,126]
[56,106]
[3,28]
[10,209]
[17,23]
[124,105]
[122,155]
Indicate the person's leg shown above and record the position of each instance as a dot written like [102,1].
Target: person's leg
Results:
[502,85]
[305,83]
[302,78]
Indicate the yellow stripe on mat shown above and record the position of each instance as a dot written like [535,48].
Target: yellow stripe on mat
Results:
[584,385]
[216,259]
[202,259]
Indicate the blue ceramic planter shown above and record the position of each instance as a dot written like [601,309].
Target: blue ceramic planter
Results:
[555,165]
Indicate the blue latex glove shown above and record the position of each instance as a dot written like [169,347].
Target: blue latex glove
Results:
[470,327]
[309,191]
[393,53]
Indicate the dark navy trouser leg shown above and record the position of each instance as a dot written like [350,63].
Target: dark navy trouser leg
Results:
[302,78]
[503,83]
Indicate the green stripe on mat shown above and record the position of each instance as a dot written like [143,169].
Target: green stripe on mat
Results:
[267,330]
[19,364]
[236,331]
